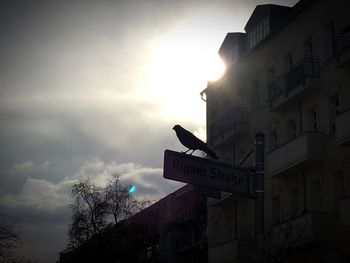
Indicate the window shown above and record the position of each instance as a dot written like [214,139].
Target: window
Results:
[258,32]
[294,202]
[233,153]
[334,110]
[308,48]
[312,119]
[330,46]
[336,104]
[235,53]
[339,184]
[254,94]
[271,87]
[270,74]
[315,196]
[291,129]
[273,139]
[266,27]
[276,209]
[288,61]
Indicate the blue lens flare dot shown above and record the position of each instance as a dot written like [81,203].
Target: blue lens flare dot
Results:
[132,189]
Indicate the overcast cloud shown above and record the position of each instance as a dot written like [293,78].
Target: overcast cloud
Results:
[78,99]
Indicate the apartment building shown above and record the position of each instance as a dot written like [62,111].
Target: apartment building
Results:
[288,76]
[181,220]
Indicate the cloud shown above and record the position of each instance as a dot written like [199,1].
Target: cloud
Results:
[42,204]
[42,194]
[148,180]
[30,167]
[13,179]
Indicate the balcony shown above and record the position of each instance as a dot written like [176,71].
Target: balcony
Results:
[306,149]
[229,126]
[300,79]
[342,47]
[342,128]
[302,230]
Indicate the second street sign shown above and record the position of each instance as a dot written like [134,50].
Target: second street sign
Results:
[199,171]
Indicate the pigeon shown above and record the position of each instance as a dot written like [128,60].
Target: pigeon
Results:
[192,142]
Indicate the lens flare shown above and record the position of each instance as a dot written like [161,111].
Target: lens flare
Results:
[132,189]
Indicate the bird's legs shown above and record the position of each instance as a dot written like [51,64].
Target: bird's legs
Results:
[189,150]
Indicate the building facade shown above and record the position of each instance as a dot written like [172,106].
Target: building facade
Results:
[288,76]
[180,219]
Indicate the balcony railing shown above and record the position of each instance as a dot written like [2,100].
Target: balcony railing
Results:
[228,125]
[286,84]
[341,43]
[304,149]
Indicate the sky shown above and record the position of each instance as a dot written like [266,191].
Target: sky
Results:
[92,89]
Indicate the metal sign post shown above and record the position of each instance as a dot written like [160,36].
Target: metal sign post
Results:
[259,196]
[221,176]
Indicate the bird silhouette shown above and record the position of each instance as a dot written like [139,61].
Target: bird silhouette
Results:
[192,142]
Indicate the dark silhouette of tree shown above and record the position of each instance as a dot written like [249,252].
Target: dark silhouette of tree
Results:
[120,204]
[99,231]
[94,209]
[10,240]
[88,213]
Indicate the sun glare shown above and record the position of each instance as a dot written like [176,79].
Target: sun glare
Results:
[216,68]
[180,69]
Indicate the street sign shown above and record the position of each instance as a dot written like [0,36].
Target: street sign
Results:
[204,172]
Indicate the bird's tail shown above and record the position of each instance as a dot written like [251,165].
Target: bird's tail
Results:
[211,153]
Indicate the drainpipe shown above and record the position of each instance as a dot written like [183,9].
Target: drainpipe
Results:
[300,118]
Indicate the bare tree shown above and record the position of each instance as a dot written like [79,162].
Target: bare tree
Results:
[93,208]
[9,238]
[120,203]
[88,213]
